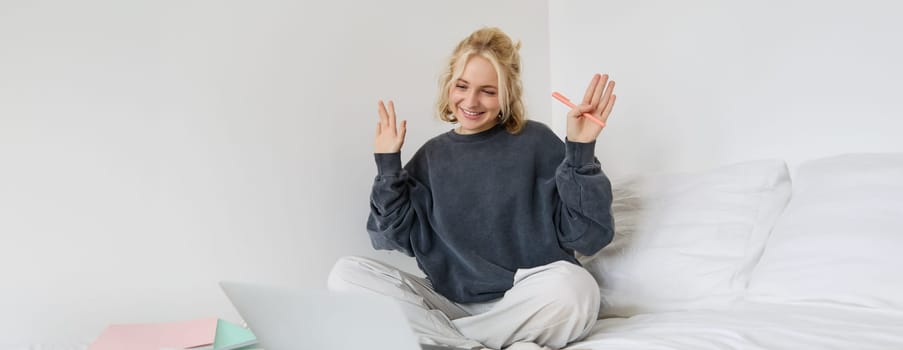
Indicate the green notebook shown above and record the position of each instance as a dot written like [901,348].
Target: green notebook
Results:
[230,336]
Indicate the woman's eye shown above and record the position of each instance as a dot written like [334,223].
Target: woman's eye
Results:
[462,87]
[490,93]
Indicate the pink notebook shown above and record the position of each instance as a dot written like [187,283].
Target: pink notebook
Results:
[181,334]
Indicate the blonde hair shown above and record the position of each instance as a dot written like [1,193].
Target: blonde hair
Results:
[494,45]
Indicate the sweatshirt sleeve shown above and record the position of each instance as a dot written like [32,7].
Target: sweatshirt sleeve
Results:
[583,215]
[393,217]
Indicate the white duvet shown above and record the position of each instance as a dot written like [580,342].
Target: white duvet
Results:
[745,326]
[753,326]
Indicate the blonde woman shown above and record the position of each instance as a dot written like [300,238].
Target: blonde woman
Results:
[492,210]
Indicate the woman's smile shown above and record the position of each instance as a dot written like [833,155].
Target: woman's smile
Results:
[472,115]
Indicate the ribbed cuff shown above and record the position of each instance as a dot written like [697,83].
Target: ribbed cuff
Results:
[388,163]
[578,153]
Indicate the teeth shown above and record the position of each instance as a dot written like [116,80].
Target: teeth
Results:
[469,112]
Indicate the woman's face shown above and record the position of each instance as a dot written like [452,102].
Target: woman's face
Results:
[474,96]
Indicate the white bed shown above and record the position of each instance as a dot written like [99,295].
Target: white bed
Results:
[753,326]
[741,257]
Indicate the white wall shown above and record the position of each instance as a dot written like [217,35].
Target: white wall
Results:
[150,149]
[707,82]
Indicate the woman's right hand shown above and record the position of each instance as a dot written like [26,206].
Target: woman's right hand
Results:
[389,139]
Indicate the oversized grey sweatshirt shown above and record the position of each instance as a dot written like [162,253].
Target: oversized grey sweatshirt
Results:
[472,209]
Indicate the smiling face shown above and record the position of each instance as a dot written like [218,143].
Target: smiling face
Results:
[474,96]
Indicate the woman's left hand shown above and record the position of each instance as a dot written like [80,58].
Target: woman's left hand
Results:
[597,101]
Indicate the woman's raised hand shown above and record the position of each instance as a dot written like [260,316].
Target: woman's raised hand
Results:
[597,101]
[389,139]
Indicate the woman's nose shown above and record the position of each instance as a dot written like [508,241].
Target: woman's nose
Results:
[470,99]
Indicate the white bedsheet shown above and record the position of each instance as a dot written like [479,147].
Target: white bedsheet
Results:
[753,326]
[745,326]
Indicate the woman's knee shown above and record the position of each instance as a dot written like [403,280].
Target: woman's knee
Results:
[568,288]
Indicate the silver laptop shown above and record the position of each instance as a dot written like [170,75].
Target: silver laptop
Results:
[287,319]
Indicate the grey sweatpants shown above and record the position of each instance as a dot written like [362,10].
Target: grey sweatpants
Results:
[550,305]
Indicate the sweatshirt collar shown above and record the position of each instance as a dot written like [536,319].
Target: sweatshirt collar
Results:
[480,136]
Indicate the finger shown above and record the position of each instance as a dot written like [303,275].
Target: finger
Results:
[607,96]
[392,115]
[383,115]
[597,93]
[587,97]
[608,107]
[579,110]
[378,128]
[404,129]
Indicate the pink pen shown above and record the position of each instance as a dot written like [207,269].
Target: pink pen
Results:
[558,96]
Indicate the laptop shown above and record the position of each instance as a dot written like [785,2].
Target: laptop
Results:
[289,319]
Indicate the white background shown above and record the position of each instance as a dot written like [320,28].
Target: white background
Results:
[150,149]
[709,82]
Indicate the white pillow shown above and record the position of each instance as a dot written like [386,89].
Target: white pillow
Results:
[841,238]
[687,241]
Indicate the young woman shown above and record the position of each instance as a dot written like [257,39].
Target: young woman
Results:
[492,210]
